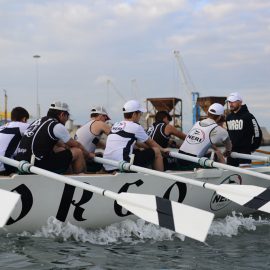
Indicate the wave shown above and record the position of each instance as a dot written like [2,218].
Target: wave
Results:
[139,231]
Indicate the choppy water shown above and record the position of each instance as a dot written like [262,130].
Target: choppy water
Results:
[235,242]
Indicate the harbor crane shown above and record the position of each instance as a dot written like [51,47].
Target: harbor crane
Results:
[188,86]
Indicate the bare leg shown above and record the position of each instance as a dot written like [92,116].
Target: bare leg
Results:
[78,161]
[158,162]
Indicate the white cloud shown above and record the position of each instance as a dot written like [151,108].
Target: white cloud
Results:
[217,11]
[225,45]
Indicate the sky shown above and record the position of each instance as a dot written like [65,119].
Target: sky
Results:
[105,52]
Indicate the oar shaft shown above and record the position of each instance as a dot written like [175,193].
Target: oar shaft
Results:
[210,163]
[128,167]
[263,151]
[27,167]
[250,157]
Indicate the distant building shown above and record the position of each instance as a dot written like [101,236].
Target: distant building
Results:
[4,118]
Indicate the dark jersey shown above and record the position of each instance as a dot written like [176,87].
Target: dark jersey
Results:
[157,133]
[39,140]
[244,131]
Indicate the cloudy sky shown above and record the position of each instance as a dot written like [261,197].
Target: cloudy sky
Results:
[108,51]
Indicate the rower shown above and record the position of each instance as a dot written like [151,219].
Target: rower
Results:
[49,141]
[204,135]
[10,136]
[89,135]
[123,136]
[161,132]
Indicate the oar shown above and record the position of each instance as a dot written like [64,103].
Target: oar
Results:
[246,195]
[205,162]
[8,201]
[263,151]
[184,219]
[250,157]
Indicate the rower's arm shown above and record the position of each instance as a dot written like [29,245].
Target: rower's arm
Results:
[171,130]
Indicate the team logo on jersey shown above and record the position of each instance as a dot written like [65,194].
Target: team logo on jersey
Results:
[235,124]
[195,136]
[32,128]
[118,127]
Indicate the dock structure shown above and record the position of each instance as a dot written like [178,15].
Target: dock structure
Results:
[172,105]
[203,103]
[266,136]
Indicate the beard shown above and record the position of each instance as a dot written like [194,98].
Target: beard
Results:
[235,108]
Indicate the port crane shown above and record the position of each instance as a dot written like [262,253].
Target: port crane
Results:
[188,86]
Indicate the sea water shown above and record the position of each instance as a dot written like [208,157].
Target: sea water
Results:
[234,242]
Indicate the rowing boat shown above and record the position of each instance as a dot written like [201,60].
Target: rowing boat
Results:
[42,197]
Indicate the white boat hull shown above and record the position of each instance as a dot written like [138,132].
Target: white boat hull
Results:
[42,197]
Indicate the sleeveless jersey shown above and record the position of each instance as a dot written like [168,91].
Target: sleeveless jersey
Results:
[157,133]
[86,137]
[39,139]
[10,136]
[120,142]
[198,141]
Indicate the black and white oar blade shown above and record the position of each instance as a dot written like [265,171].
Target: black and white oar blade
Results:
[8,201]
[247,195]
[187,220]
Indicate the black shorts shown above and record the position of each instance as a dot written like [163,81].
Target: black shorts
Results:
[144,157]
[237,161]
[186,165]
[56,162]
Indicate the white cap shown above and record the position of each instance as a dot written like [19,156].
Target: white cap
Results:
[100,110]
[58,105]
[133,106]
[234,97]
[216,109]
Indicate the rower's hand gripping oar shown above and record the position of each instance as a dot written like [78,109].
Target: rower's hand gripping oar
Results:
[184,219]
[246,195]
[8,202]
[251,196]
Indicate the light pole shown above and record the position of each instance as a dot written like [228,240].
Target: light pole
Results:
[5,92]
[36,57]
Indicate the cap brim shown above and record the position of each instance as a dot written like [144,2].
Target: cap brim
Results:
[231,100]
[142,110]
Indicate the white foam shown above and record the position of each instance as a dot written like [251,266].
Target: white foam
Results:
[231,225]
[140,231]
[125,231]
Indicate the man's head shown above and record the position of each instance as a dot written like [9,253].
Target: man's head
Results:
[163,116]
[215,111]
[235,101]
[99,113]
[59,110]
[19,114]
[133,110]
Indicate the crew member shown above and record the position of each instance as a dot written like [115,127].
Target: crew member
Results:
[244,130]
[10,136]
[49,142]
[120,142]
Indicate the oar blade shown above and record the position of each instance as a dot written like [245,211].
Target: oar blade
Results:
[8,201]
[250,196]
[184,219]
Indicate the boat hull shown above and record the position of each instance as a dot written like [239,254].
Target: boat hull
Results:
[42,197]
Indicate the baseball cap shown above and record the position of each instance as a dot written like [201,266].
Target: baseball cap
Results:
[133,106]
[234,97]
[100,110]
[58,105]
[216,109]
